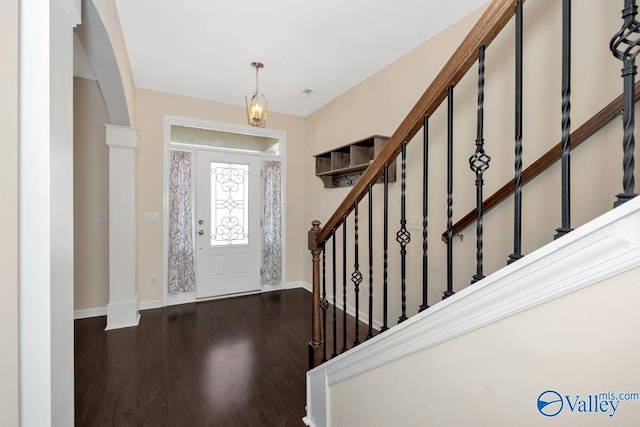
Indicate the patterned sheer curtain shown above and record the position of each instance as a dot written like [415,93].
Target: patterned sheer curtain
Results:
[272,223]
[181,262]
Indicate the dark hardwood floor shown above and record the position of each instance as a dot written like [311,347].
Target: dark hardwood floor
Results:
[233,362]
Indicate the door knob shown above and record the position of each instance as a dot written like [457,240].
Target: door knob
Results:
[200,232]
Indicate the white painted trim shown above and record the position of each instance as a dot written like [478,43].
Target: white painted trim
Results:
[364,317]
[150,305]
[122,314]
[121,136]
[228,127]
[72,10]
[228,296]
[181,298]
[308,422]
[603,248]
[122,309]
[299,284]
[86,313]
[270,288]
[170,120]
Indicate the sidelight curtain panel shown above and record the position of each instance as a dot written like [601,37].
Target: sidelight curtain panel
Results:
[272,223]
[181,260]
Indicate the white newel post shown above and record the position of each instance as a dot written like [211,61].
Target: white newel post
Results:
[122,310]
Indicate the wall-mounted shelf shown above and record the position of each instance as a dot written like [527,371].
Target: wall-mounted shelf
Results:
[343,166]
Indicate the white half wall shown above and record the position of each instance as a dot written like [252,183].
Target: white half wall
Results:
[563,318]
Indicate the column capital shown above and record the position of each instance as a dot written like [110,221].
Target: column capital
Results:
[121,136]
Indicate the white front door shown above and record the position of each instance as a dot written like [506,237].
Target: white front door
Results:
[228,232]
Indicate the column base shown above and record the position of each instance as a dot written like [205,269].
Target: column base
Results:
[122,314]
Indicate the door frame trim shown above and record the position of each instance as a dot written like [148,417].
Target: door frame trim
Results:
[170,120]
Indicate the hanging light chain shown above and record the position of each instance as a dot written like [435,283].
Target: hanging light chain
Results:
[257,66]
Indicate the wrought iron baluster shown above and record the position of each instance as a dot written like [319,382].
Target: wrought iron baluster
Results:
[425,206]
[403,236]
[335,304]
[566,120]
[517,194]
[344,285]
[356,276]
[385,247]
[324,304]
[449,290]
[625,45]
[479,163]
[370,332]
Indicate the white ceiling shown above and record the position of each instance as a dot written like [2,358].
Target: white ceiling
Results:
[203,48]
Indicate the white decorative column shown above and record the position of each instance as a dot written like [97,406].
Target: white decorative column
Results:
[122,310]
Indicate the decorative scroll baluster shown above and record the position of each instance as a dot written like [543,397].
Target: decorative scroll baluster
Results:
[385,247]
[344,285]
[517,194]
[566,120]
[625,45]
[324,305]
[335,302]
[479,163]
[449,290]
[425,205]
[356,276]
[370,332]
[403,236]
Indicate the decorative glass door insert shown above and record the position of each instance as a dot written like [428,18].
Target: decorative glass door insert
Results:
[229,204]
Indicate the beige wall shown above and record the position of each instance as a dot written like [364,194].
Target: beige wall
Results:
[379,104]
[92,192]
[573,345]
[9,213]
[91,196]
[151,108]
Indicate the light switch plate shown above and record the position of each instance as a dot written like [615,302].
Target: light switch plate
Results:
[99,217]
[151,217]
[415,222]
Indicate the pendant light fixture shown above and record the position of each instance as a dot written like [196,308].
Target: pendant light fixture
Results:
[257,104]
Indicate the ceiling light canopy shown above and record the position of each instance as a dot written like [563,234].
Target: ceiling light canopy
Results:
[257,104]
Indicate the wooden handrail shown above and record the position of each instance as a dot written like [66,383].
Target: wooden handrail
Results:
[590,127]
[492,21]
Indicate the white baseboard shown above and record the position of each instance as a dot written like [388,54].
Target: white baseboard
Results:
[150,305]
[364,317]
[300,284]
[86,313]
[122,314]
[272,288]
[181,298]
[350,309]
[308,422]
